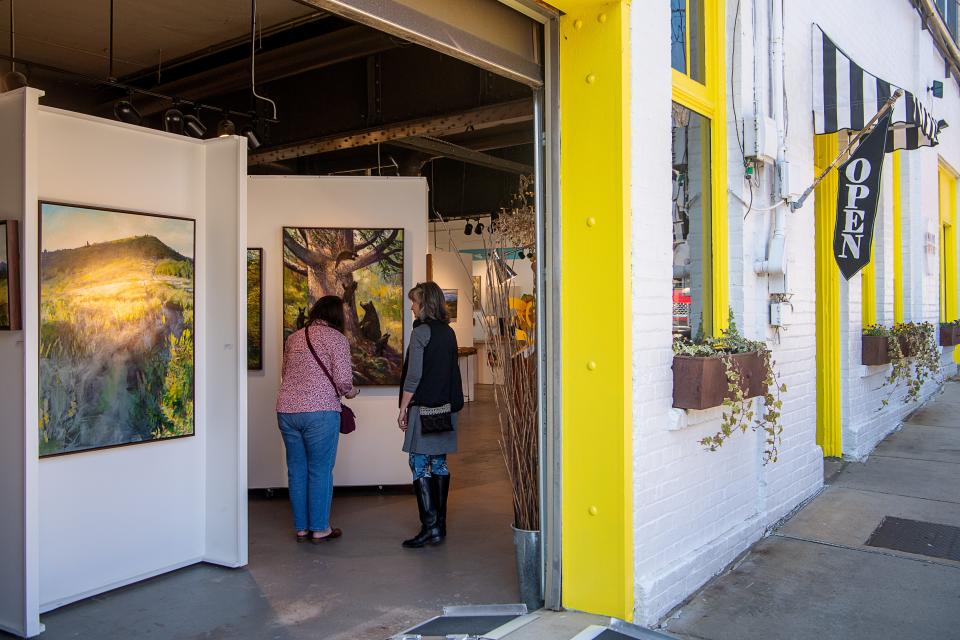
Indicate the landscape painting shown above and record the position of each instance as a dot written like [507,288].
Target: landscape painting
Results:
[450,299]
[116,328]
[365,268]
[477,306]
[4,279]
[254,309]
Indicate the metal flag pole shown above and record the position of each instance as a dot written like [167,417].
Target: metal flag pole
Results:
[887,106]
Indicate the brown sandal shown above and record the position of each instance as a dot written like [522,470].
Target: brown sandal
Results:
[303,537]
[334,533]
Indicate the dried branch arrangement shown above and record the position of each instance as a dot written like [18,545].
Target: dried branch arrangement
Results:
[509,326]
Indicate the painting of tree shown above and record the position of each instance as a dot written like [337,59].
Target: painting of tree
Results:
[254,309]
[365,268]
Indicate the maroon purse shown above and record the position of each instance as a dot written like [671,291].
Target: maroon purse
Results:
[348,420]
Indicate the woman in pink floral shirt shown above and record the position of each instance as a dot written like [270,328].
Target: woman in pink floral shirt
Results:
[308,412]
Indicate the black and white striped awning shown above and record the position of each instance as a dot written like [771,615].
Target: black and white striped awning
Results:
[845,98]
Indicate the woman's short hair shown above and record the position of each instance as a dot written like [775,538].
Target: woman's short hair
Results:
[328,309]
[432,304]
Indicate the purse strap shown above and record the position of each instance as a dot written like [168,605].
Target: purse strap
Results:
[306,332]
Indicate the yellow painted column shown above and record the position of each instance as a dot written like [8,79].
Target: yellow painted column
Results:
[829,424]
[868,284]
[948,249]
[897,241]
[716,56]
[597,504]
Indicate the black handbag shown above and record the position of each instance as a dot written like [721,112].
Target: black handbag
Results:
[435,420]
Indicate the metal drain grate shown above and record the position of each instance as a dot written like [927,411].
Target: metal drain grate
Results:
[914,536]
[444,626]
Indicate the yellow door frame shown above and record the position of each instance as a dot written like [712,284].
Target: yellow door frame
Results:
[947,181]
[597,452]
[829,421]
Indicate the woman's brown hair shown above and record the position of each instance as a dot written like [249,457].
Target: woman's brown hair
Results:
[328,309]
[432,304]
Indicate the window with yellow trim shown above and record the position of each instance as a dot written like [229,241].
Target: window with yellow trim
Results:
[699,206]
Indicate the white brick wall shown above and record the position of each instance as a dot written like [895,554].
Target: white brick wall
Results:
[695,511]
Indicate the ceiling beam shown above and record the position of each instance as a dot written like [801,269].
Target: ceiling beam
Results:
[322,51]
[442,149]
[459,122]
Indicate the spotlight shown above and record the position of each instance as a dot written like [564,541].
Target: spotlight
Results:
[13,80]
[520,254]
[173,121]
[226,128]
[124,111]
[942,124]
[467,230]
[502,270]
[250,131]
[479,230]
[194,126]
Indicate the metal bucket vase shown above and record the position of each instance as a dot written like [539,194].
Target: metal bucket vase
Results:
[529,567]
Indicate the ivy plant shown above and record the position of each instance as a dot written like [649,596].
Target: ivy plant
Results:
[738,412]
[919,339]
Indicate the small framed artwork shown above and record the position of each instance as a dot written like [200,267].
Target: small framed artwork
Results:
[477,299]
[10,315]
[450,298]
[254,309]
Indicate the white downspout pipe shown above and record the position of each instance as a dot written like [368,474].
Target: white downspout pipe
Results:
[776,261]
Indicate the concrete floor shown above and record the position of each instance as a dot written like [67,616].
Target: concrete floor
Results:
[363,586]
[815,578]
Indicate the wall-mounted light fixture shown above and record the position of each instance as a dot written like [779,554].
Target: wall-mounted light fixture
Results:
[936,89]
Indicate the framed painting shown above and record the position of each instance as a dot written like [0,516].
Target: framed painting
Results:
[477,299]
[450,299]
[116,328]
[254,309]
[365,268]
[10,314]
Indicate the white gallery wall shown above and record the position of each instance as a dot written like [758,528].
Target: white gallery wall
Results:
[372,454]
[455,271]
[109,517]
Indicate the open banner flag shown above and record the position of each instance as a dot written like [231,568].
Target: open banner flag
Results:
[858,193]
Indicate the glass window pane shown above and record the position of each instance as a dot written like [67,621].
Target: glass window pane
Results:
[695,31]
[692,238]
[678,37]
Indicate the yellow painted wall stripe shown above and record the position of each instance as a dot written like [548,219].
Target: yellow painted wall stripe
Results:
[597,485]
[868,282]
[829,425]
[897,241]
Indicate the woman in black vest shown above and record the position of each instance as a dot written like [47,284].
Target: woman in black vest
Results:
[430,398]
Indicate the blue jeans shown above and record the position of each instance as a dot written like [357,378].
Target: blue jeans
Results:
[311,442]
[423,466]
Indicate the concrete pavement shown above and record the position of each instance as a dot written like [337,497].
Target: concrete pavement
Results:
[815,578]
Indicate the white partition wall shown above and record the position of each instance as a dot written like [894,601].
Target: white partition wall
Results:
[455,271]
[106,518]
[371,455]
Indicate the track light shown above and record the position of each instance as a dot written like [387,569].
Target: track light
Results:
[193,126]
[124,111]
[226,128]
[479,230]
[250,131]
[468,229]
[173,121]
[520,254]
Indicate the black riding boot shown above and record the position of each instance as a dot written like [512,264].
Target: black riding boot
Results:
[441,487]
[427,504]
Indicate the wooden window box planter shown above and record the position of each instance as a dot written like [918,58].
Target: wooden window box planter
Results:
[874,350]
[701,382]
[949,335]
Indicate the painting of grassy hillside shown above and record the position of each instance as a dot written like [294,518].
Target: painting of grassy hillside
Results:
[254,309]
[4,280]
[365,268]
[116,328]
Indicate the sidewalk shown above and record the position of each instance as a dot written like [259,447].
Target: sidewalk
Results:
[816,578]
